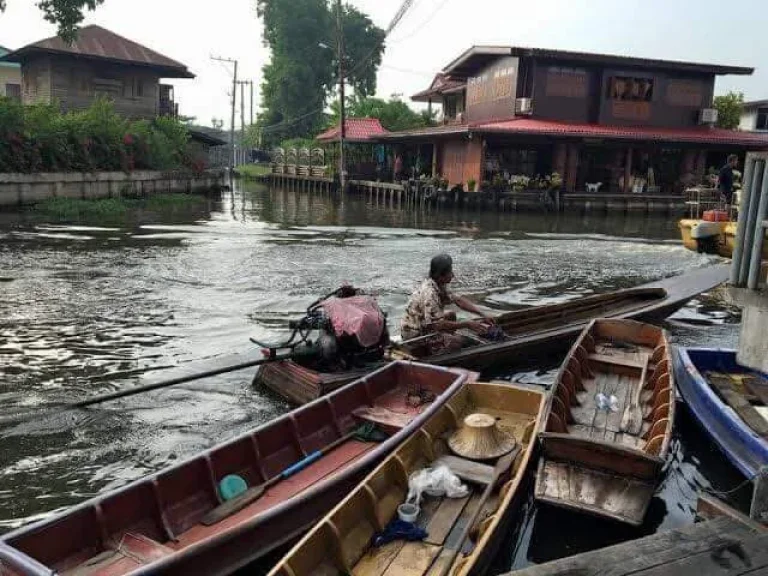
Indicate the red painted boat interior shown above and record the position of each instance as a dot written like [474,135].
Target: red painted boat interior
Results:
[160,515]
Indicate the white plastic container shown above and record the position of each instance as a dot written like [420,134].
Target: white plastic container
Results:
[408,512]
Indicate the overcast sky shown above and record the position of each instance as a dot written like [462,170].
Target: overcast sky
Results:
[432,33]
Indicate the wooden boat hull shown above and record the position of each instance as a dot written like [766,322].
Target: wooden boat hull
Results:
[153,526]
[652,302]
[725,241]
[342,542]
[605,459]
[739,443]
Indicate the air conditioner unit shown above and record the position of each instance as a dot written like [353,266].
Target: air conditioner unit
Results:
[707,116]
[523,106]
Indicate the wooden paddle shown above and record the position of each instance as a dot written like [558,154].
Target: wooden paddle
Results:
[139,389]
[632,419]
[502,465]
[252,494]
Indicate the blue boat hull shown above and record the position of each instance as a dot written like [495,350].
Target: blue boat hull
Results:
[747,451]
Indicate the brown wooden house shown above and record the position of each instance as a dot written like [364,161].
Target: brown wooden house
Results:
[99,62]
[602,122]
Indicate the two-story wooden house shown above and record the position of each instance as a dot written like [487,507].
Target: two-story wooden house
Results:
[98,62]
[608,123]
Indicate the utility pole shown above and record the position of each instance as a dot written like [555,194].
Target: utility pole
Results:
[242,114]
[232,124]
[342,130]
[251,101]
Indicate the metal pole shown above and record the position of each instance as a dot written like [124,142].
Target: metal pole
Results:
[750,174]
[759,234]
[754,201]
[232,125]
[251,101]
[242,117]
[340,56]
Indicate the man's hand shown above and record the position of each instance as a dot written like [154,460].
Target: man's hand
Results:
[478,327]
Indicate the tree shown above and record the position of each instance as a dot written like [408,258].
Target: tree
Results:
[729,109]
[394,114]
[303,70]
[217,123]
[68,14]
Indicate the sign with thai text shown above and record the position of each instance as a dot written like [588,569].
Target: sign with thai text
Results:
[491,93]
[566,82]
[631,110]
[685,93]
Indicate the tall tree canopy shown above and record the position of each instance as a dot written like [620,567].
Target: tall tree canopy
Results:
[303,71]
[67,14]
[729,109]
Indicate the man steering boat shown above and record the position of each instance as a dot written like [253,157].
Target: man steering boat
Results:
[426,314]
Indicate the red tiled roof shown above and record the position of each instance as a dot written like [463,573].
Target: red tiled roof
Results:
[100,43]
[356,130]
[698,135]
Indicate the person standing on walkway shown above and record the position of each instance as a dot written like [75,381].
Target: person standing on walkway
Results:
[725,180]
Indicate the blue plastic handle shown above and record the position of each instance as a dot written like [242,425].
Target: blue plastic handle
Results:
[301,464]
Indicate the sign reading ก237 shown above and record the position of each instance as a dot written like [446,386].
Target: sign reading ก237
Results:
[497,82]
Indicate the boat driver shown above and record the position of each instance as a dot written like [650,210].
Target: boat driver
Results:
[425,312]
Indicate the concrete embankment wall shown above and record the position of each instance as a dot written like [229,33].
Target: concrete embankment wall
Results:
[18,189]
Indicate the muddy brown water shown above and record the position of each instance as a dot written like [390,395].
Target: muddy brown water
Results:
[91,307]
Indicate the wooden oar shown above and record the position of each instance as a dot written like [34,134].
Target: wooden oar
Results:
[632,419]
[502,465]
[145,388]
[252,494]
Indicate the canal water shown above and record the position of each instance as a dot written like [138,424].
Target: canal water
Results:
[95,306]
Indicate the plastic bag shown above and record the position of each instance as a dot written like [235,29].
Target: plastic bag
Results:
[437,481]
[607,403]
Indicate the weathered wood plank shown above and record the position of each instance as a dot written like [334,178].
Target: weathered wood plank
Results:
[444,518]
[710,507]
[729,557]
[413,559]
[638,555]
[744,409]
[467,469]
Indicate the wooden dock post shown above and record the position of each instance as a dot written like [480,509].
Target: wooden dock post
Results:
[759,508]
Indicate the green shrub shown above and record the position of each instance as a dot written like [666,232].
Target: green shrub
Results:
[39,138]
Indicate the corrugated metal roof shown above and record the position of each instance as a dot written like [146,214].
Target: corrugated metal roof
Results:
[441,84]
[470,60]
[99,43]
[695,135]
[356,130]
[755,104]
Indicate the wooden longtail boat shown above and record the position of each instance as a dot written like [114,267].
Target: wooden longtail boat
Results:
[163,524]
[610,422]
[729,401]
[342,543]
[532,332]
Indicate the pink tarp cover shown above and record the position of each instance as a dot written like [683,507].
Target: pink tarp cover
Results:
[357,316]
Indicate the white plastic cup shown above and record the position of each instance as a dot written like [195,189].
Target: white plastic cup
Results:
[408,512]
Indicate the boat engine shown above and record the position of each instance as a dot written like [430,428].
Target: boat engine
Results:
[340,331]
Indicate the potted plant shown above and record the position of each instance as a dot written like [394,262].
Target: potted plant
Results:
[471,185]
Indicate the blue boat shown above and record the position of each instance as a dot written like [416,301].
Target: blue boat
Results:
[747,450]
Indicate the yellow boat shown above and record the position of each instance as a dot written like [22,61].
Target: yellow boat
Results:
[712,237]
[462,533]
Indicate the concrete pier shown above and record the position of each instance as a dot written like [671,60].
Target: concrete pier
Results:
[747,267]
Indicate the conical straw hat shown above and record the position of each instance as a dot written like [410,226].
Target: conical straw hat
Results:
[481,439]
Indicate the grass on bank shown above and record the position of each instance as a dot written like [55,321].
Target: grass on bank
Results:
[249,171]
[73,210]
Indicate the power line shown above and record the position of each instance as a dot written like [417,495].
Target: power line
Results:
[422,25]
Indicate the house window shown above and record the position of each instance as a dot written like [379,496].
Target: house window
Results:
[762,119]
[13,91]
[628,89]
